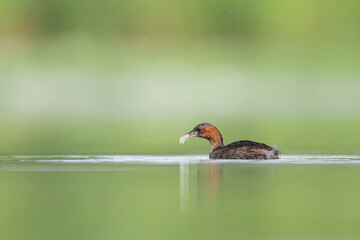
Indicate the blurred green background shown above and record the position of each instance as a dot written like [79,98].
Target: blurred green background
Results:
[130,77]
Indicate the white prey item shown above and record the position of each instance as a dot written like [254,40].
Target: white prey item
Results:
[183,138]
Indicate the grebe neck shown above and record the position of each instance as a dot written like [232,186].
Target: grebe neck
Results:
[215,138]
[215,145]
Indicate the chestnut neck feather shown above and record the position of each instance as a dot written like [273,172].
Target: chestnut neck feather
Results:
[214,136]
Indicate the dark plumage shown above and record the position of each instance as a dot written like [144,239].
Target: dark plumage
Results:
[237,150]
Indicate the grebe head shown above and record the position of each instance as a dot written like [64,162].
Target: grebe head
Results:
[201,130]
[204,130]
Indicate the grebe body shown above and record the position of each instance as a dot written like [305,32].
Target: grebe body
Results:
[244,149]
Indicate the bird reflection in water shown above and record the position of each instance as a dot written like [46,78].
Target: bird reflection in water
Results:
[199,182]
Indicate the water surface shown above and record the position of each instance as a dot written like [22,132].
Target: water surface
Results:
[179,197]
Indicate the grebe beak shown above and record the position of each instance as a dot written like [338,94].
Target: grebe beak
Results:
[192,134]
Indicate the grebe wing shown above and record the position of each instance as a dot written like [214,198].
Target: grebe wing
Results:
[247,144]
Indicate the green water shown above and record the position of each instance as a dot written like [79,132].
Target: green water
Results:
[179,197]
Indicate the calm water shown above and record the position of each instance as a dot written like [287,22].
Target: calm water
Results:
[179,197]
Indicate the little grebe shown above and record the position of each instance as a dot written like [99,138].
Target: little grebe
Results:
[237,150]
